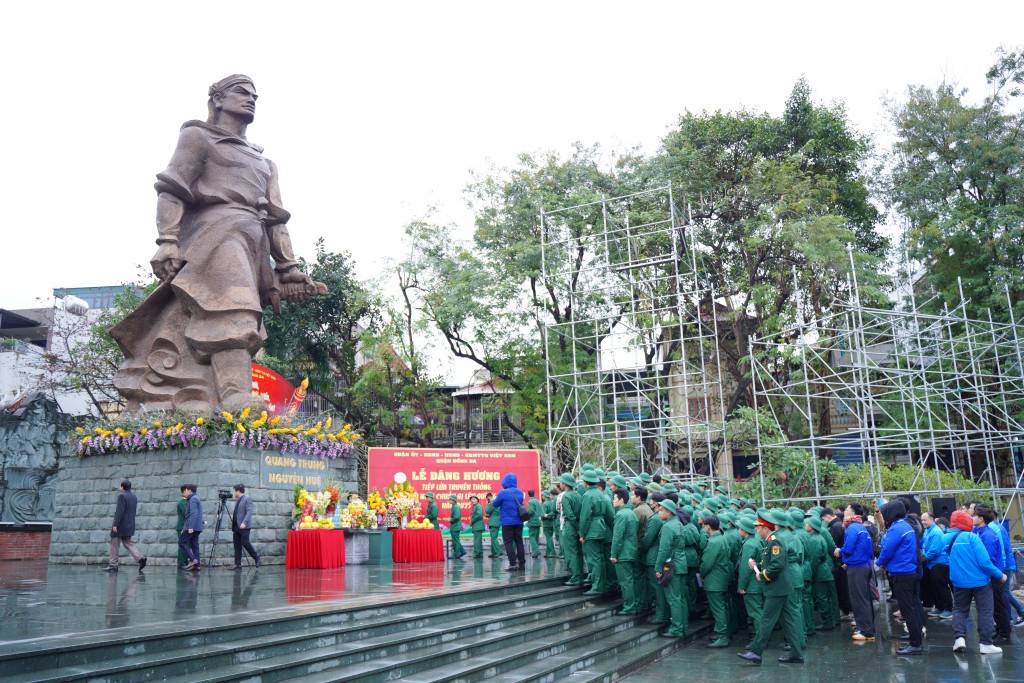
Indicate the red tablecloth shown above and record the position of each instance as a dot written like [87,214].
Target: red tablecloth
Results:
[315,549]
[416,545]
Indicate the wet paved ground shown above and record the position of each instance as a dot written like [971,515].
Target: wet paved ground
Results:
[833,658]
[40,601]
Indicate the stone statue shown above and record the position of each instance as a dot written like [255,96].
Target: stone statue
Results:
[31,439]
[220,222]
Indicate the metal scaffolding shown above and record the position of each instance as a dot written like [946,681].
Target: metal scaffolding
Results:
[635,378]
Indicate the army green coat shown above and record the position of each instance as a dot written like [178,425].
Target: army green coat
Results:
[691,543]
[652,539]
[625,547]
[493,519]
[670,544]
[535,519]
[716,565]
[432,513]
[794,557]
[548,518]
[818,557]
[456,518]
[592,515]
[775,572]
[643,514]
[476,519]
[571,505]
[752,549]
[807,565]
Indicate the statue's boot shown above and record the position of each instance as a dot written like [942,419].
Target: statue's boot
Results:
[232,371]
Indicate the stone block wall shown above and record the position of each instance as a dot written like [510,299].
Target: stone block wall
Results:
[87,491]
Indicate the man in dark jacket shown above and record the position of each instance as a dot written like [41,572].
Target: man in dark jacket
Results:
[241,525]
[189,538]
[899,558]
[834,520]
[507,504]
[124,528]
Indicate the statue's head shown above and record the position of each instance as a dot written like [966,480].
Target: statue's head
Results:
[234,95]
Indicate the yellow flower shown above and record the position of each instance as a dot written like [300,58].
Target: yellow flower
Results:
[321,437]
[86,439]
[228,417]
[263,416]
[178,427]
[200,421]
[327,425]
[241,427]
[169,431]
[245,414]
[79,430]
[347,427]
[276,421]
[355,437]
[157,425]
[143,431]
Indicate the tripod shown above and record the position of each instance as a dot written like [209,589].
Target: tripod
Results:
[221,509]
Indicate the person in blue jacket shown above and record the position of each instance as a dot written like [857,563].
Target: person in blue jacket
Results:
[507,504]
[857,554]
[899,558]
[971,571]
[984,518]
[933,545]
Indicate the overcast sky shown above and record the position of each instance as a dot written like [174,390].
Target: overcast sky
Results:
[376,110]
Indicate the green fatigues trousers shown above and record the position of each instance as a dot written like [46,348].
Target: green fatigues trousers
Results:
[718,605]
[659,600]
[826,599]
[496,549]
[478,544]
[457,549]
[773,610]
[626,573]
[535,540]
[754,602]
[678,608]
[593,550]
[807,600]
[571,550]
[550,547]
[641,584]
[611,576]
[732,601]
[690,594]
[795,609]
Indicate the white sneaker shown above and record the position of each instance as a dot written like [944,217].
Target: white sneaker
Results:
[959,645]
[990,649]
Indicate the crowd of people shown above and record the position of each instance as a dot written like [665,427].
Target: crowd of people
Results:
[695,552]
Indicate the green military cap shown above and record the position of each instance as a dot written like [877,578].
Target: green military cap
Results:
[721,489]
[568,480]
[619,481]
[779,517]
[746,522]
[701,482]
[654,487]
[688,509]
[812,513]
[765,514]
[590,477]
[697,495]
[453,497]
[587,467]
[725,518]
[796,515]
[545,494]
[669,505]
[599,472]
[815,523]
[645,478]
[668,487]
[736,502]
[429,495]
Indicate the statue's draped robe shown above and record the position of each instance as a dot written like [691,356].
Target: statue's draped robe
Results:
[233,225]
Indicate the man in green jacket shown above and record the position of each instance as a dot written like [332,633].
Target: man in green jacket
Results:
[476,525]
[533,524]
[774,574]
[794,564]
[431,513]
[624,550]
[747,584]
[593,532]
[642,512]
[807,590]
[670,546]
[494,526]
[649,553]
[569,502]
[456,529]
[716,571]
[822,579]
[549,519]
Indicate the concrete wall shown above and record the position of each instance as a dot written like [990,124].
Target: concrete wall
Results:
[87,494]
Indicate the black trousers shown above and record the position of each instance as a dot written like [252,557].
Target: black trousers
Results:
[942,589]
[843,589]
[860,598]
[512,537]
[905,590]
[240,539]
[1001,609]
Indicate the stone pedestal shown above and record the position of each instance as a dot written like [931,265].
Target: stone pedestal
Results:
[87,495]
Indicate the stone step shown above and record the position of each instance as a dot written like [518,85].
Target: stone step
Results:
[244,639]
[381,659]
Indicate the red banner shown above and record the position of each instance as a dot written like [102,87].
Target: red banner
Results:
[274,389]
[462,472]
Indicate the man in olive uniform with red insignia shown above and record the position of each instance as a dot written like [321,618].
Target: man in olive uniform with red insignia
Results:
[774,575]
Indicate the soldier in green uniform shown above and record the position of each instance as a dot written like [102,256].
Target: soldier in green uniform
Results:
[619,482]
[593,532]
[494,527]
[569,501]
[534,523]
[611,577]
[747,585]
[670,546]
[807,592]
[476,524]
[732,535]
[431,513]
[794,563]
[642,512]
[691,548]
[456,529]
[716,571]
[822,580]
[548,517]
[624,550]
[649,553]
[774,574]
